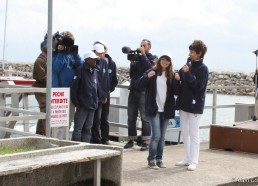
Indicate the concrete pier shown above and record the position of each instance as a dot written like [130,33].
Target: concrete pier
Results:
[216,167]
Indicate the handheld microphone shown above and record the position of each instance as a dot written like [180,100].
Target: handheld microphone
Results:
[188,62]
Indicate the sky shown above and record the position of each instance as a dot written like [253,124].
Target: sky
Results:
[229,28]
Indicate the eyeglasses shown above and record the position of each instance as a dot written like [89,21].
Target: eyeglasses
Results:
[143,45]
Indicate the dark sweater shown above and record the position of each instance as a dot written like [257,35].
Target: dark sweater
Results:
[151,107]
[193,88]
[112,73]
[84,88]
[137,69]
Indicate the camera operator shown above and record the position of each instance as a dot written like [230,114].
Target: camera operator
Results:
[136,99]
[65,61]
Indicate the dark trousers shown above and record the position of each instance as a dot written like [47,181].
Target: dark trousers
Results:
[95,138]
[136,102]
[41,125]
[104,126]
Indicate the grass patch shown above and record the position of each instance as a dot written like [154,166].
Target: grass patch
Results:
[8,150]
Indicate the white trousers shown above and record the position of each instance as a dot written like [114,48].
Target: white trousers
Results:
[189,124]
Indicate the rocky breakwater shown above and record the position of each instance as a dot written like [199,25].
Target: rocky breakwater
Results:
[216,78]
[222,78]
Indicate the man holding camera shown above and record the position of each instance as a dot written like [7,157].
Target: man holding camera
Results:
[65,61]
[136,99]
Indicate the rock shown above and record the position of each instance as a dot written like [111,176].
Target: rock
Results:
[216,78]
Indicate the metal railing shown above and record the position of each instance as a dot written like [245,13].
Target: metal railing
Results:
[21,93]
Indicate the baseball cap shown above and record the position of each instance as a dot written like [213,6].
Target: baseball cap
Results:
[90,54]
[99,48]
[100,42]
[166,53]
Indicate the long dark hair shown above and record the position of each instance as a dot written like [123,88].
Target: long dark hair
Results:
[169,70]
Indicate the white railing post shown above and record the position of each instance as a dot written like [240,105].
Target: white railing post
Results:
[25,102]
[214,103]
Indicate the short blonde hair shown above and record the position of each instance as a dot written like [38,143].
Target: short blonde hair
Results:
[67,34]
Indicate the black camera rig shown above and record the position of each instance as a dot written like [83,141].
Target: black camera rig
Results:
[67,42]
[132,55]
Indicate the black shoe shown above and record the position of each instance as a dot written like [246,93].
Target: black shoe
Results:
[160,164]
[129,144]
[106,143]
[144,147]
[139,141]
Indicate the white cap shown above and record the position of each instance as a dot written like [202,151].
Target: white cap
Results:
[166,53]
[99,48]
[90,54]
[100,42]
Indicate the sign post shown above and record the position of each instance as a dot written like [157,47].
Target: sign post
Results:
[60,108]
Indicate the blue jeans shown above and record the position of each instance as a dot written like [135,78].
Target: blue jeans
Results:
[83,120]
[136,101]
[159,126]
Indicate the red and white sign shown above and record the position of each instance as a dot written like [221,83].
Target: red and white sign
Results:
[60,107]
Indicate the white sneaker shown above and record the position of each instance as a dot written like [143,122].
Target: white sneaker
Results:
[181,163]
[191,167]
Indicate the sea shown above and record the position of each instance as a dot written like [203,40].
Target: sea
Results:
[225,116]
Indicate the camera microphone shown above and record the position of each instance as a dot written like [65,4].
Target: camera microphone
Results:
[126,50]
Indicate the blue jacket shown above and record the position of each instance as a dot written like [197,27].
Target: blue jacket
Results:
[137,69]
[84,88]
[151,107]
[193,88]
[112,73]
[63,68]
[103,79]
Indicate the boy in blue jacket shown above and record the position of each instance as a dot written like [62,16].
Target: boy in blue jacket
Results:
[84,95]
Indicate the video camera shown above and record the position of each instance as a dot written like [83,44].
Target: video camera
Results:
[66,41]
[59,39]
[132,55]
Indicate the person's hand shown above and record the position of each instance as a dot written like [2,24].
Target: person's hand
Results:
[60,47]
[103,102]
[151,73]
[177,77]
[185,68]
[142,50]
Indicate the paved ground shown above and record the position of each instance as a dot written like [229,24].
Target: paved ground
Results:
[215,167]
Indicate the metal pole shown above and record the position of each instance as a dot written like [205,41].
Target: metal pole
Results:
[49,67]
[6,7]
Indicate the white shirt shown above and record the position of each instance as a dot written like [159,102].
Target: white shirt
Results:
[161,91]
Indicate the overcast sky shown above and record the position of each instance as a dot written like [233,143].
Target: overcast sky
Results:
[229,28]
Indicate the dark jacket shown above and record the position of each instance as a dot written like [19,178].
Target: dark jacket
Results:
[40,72]
[151,107]
[84,88]
[103,79]
[112,73]
[137,69]
[193,88]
